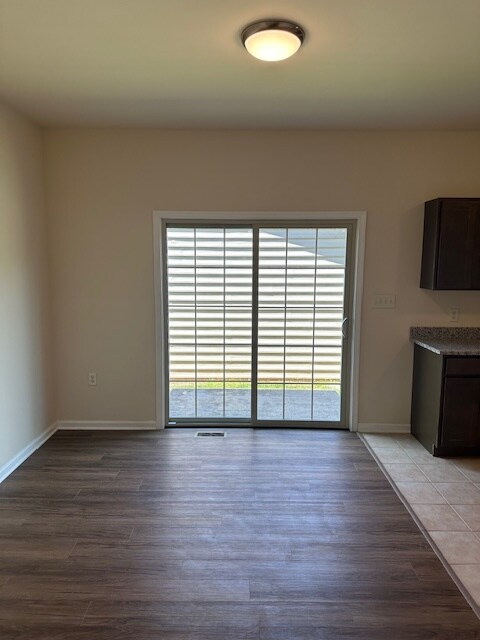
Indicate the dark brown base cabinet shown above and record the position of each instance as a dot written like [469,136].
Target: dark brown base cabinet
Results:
[446,403]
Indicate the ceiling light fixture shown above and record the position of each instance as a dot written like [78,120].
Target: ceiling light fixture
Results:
[273,40]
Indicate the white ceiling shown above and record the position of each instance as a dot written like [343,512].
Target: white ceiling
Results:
[366,64]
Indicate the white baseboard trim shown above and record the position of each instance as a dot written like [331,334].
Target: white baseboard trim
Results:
[26,452]
[105,425]
[382,427]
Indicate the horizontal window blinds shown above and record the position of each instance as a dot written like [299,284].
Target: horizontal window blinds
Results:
[301,286]
[296,317]
[210,321]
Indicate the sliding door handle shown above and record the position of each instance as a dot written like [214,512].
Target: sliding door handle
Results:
[345,328]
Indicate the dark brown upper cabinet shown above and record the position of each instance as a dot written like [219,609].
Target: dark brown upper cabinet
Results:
[451,244]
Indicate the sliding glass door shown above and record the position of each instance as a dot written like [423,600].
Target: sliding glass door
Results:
[257,323]
[209,288]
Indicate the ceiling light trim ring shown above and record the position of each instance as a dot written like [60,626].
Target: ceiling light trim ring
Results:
[268,25]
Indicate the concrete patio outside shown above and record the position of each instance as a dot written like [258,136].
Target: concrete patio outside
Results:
[298,405]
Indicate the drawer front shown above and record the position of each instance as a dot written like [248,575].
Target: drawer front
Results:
[466,366]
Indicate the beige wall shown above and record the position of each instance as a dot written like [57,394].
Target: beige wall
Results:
[104,184]
[25,410]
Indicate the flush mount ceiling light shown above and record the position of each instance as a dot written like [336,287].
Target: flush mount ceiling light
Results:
[272,40]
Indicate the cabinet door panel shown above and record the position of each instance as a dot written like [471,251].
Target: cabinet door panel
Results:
[461,412]
[458,248]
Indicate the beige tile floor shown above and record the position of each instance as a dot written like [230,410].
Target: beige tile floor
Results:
[444,497]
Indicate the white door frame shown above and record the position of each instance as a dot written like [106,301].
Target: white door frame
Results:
[247,217]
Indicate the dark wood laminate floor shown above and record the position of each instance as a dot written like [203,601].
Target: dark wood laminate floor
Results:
[266,535]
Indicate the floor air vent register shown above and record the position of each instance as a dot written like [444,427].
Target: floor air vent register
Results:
[210,434]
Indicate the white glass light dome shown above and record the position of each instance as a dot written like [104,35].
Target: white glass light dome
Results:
[272,40]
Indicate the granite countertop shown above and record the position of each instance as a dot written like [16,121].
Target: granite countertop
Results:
[448,341]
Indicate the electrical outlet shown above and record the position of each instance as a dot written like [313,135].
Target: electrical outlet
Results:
[92,379]
[384,301]
[453,314]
